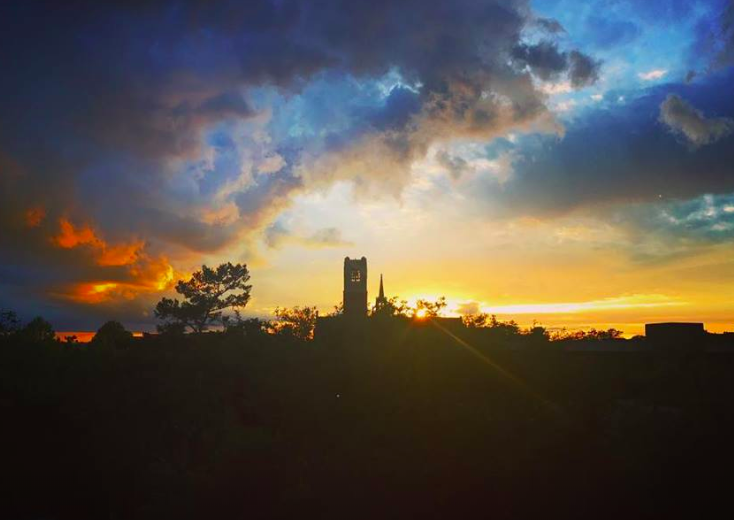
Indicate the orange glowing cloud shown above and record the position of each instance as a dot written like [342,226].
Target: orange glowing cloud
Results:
[124,254]
[96,292]
[143,273]
[71,236]
[34,216]
[147,275]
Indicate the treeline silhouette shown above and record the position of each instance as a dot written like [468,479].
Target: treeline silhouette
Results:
[392,417]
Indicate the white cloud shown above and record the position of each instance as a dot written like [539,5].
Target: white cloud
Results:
[563,87]
[652,74]
[565,106]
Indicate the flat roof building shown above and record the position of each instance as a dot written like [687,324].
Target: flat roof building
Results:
[675,334]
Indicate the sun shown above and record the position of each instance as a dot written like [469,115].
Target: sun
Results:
[420,314]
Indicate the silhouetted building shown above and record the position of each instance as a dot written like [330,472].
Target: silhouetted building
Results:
[381,302]
[448,324]
[355,287]
[670,338]
[674,332]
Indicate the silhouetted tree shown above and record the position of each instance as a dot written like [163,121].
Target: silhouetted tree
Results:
[393,307]
[112,334]
[537,332]
[560,335]
[71,340]
[298,322]
[38,330]
[507,328]
[205,296]
[9,322]
[254,326]
[429,309]
[476,321]
[593,334]
[171,328]
[610,333]
[338,310]
[237,325]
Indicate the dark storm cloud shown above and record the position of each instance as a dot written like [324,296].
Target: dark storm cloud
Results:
[621,153]
[544,59]
[94,84]
[400,106]
[547,62]
[583,70]
[682,118]
[550,25]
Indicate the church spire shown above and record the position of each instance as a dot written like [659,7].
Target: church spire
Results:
[381,301]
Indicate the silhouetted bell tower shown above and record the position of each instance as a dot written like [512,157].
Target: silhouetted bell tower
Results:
[355,287]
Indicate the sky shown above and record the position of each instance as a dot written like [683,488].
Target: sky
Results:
[554,161]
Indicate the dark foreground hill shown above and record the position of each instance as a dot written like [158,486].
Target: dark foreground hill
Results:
[401,422]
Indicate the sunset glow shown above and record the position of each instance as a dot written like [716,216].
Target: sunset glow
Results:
[403,258]
[574,173]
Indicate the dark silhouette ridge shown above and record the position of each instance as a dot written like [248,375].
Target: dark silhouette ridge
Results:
[389,415]
[404,417]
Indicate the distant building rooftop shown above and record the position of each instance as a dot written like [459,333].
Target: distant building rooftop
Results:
[675,334]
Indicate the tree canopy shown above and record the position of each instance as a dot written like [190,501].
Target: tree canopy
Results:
[38,330]
[112,334]
[9,322]
[298,322]
[206,295]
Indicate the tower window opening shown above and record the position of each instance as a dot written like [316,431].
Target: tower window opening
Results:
[356,276]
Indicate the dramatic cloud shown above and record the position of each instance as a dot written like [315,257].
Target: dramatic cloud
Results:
[582,70]
[708,218]
[657,232]
[682,118]
[546,61]
[278,235]
[146,112]
[621,153]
